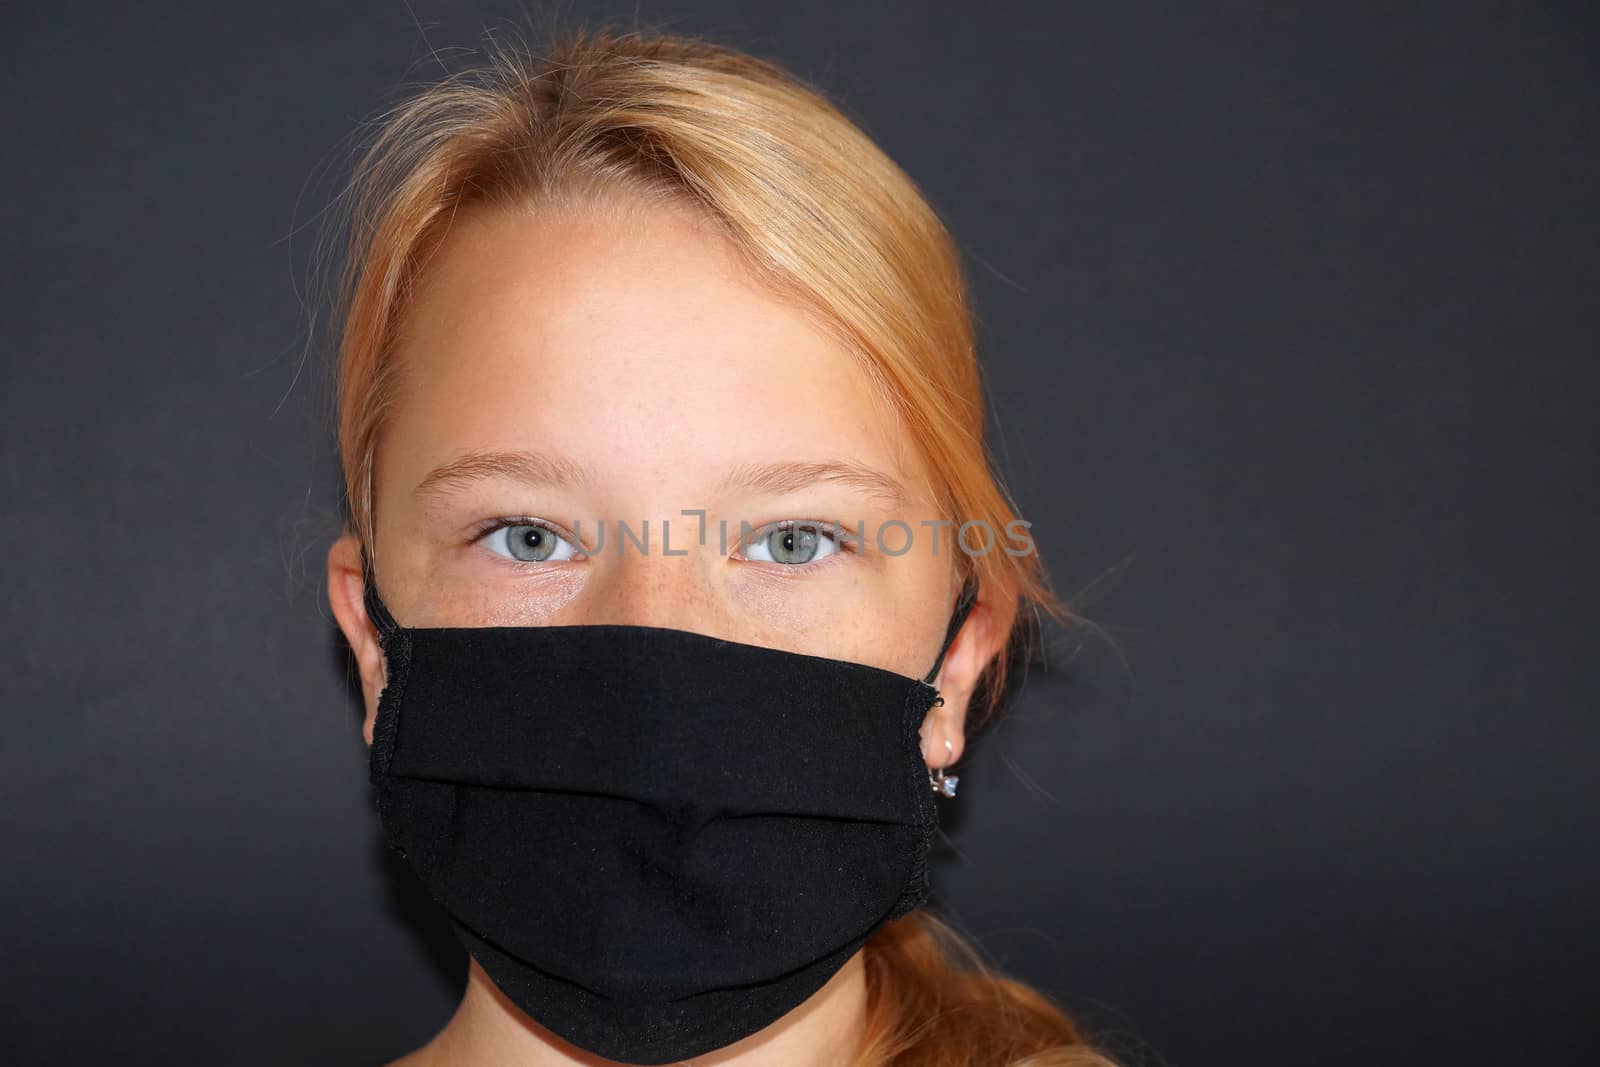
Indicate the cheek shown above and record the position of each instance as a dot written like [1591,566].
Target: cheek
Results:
[540,599]
[910,641]
[860,627]
[777,607]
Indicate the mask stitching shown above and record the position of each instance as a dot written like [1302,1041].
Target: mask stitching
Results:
[918,888]
[397,661]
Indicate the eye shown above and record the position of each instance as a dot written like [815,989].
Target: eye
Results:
[794,543]
[528,542]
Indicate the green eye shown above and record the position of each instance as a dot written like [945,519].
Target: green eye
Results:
[795,543]
[529,542]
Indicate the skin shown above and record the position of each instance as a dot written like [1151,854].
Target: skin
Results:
[630,340]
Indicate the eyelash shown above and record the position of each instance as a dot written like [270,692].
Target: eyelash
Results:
[826,527]
[831,528]
[484,529]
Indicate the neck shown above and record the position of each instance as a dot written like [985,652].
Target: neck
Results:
[487,1029]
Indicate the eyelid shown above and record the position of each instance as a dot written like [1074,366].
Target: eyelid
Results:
[484,529]
[825,526]
[842,536]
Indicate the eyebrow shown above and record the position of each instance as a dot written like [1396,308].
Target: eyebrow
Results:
[529,468]
[788,477]
[543,469]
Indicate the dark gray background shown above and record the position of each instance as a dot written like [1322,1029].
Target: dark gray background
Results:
[1289,314]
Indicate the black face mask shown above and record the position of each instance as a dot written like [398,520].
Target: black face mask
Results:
[655,842]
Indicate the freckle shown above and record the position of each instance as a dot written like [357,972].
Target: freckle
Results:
[777,606]
[538,605]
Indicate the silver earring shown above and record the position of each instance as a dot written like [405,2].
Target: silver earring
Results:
[937,780]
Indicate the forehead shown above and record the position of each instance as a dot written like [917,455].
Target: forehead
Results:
[634,342]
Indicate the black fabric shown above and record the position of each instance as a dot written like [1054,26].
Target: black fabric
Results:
[655,842]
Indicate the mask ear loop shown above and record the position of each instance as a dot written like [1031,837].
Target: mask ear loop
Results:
[938,781]
[964,602]
[377,611]
[396,645]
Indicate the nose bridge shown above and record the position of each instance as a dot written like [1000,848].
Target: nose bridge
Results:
[636,587]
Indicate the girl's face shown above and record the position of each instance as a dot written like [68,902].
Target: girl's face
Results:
[560,371]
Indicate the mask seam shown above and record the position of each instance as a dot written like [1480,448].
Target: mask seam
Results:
[918,888]
[397,661]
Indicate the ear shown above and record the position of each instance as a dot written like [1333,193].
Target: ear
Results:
[976,643]
[346,592]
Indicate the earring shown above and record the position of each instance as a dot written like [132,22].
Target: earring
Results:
[937,780]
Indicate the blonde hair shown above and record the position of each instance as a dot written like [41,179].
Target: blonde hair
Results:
[817,212]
